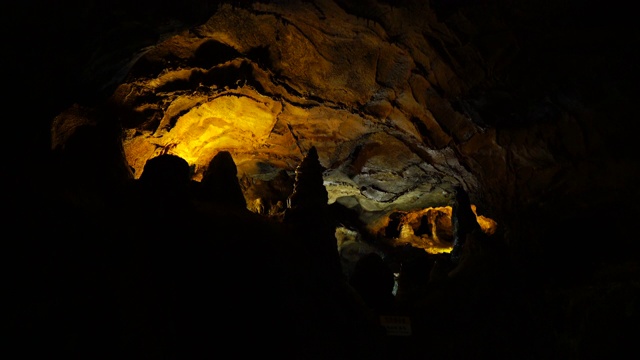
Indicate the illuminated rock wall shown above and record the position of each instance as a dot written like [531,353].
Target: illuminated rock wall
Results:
[402,103]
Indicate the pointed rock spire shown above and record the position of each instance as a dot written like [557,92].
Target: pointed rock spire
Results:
[463,221]
[220,182]
[308,190]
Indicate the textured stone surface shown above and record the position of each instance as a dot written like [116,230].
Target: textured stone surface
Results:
[401,102]
[529,107]
[268,82]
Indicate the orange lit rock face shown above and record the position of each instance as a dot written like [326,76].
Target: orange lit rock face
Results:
[430,229]
[401,104]
[267,84]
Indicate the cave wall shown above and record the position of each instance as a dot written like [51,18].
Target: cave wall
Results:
[526,105]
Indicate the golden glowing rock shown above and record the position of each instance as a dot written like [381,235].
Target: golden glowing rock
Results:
[437,220]
[267,83]
[235,123]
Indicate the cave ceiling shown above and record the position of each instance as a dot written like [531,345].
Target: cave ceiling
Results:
[402,101]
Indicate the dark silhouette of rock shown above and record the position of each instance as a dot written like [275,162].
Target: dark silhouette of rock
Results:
[392,230]
[415,269]
[89,166]
[463,221]
[220,182]
[374,281]
[167,174]
[309,192]
[235,276]
[309,217]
